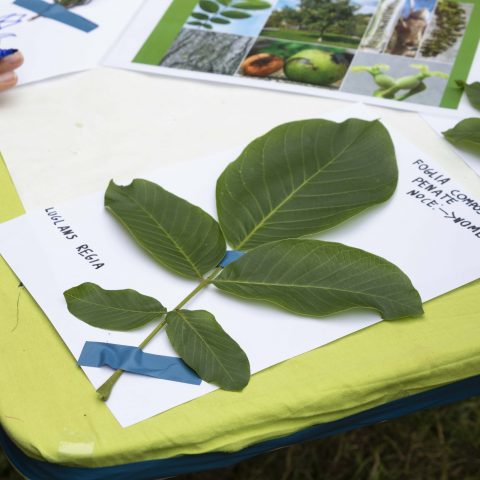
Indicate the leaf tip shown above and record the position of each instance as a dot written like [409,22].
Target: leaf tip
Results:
[414,310]
[236,388]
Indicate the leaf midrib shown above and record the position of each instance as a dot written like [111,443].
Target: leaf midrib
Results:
[182,251]
[184,318]
[113,308]
[287,285]
[289,196]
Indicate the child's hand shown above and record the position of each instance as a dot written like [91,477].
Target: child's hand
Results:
[8,77]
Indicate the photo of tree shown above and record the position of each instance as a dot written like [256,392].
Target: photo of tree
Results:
[339,23]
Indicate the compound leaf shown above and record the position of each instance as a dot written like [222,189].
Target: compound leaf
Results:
[317,278]
[204,346]
[303,177]
[112,309]
[177,234]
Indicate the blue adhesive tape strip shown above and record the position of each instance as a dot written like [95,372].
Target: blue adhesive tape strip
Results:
[134,360]
[59,13]
[230,257]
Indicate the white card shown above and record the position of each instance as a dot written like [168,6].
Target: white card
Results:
[430,228]
[52,47]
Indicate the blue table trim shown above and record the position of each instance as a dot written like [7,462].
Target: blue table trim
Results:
[148,470]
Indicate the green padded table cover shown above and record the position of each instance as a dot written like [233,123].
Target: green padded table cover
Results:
[50,410]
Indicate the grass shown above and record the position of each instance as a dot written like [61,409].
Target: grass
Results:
[438,444]
[309,37]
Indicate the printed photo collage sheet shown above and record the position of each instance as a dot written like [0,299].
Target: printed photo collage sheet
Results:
[401,53]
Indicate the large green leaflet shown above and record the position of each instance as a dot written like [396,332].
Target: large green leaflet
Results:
[304,177]
[202,343]
[465,132]
[174,232]
[316,278]
[112,309]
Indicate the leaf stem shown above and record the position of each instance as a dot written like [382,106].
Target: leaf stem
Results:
[104,391]
[200,286]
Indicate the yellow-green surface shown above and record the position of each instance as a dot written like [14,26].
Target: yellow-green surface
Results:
[50,410]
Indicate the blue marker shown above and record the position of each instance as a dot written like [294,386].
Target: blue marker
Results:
[6,52]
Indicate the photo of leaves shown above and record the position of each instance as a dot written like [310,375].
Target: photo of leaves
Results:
[230,16]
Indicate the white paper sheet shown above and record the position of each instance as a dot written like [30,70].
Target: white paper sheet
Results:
[430,233]
[440,124]
[54,48]
[247,36]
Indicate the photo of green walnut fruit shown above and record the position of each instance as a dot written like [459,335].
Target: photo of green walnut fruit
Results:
[316,67]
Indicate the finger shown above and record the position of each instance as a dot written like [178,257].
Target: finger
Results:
[7,80]
[11,62]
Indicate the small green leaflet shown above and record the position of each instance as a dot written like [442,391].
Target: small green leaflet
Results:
[303,177]
[472,91]
[316,278]
[466,131]
[220,21]
[174,232]
[112,309]
[252,5]
[208,6]
[200,24]
[200,16]
[237,14]
[204,346]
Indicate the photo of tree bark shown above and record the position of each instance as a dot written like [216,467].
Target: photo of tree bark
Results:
[204,51]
